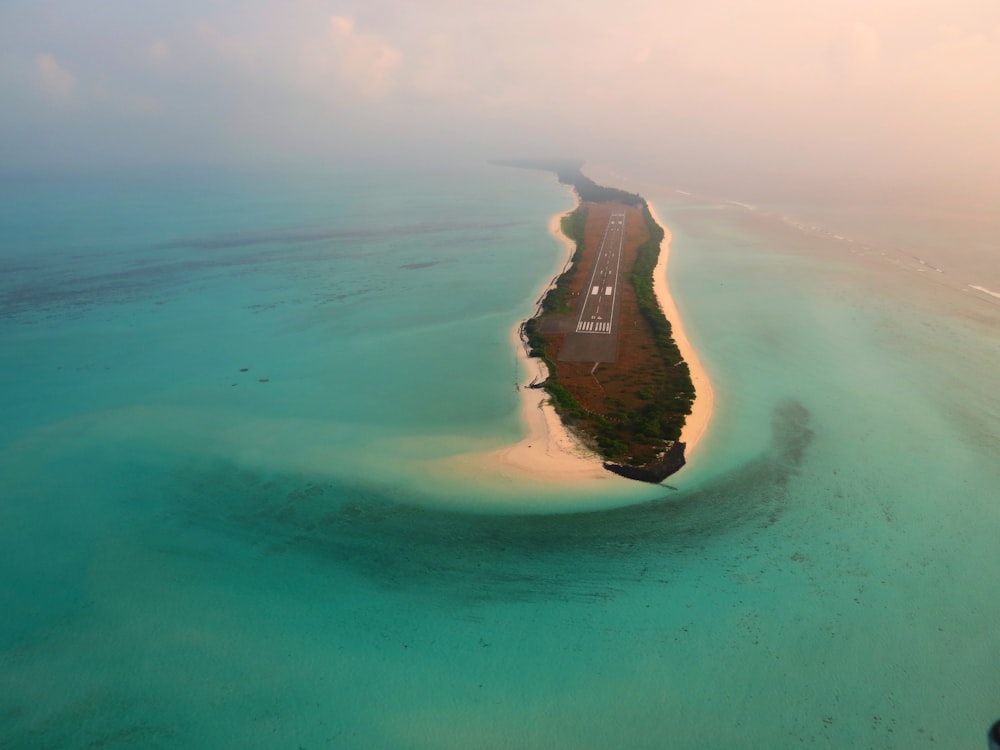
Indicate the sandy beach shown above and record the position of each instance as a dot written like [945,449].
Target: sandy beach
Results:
[549,452]
[696,424]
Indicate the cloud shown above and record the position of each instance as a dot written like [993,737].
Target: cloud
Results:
[54,81]
[436,72]
[159,53]
[232,49]
[141,105]
[886,86]
[366,61]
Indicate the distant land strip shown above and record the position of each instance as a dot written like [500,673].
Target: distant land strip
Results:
[616,378]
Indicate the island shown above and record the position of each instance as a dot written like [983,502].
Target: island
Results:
[616,376]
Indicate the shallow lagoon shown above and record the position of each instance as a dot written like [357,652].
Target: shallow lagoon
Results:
[193,563]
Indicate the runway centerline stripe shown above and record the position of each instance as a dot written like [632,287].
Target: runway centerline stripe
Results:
[613,232]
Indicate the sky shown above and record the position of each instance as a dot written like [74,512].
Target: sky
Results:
[779,90]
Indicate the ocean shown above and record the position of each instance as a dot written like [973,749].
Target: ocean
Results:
[222,392]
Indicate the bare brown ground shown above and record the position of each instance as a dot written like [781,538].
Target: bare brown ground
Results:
[613,387]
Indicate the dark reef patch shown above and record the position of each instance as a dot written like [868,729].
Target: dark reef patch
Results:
[376,533]
[71,284]
[304,235]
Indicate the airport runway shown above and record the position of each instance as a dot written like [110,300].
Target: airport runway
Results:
[598,310]
[595,338]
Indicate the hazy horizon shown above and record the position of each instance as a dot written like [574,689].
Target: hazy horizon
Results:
[881,94]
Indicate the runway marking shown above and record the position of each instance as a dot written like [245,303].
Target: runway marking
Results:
[592,312]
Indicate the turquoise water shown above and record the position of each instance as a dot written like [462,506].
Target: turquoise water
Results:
[197,556]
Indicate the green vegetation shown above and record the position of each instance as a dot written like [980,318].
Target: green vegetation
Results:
[573,225]
[568,172]
[669,398]
[642,281]
[566,404]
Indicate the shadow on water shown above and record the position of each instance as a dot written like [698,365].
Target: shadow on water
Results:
[570,555]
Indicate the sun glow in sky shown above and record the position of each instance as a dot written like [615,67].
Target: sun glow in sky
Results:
[854,89]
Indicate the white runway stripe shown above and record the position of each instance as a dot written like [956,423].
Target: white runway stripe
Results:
[593,326]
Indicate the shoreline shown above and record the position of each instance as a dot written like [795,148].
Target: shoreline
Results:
[548,454]
[549,450]
[697,423]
